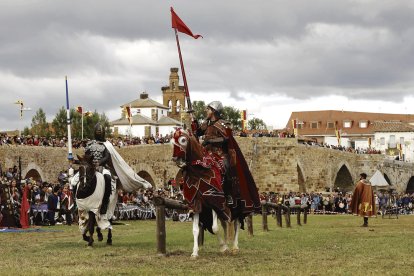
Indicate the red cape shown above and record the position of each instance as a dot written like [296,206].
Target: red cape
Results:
[24,209]
[248,193]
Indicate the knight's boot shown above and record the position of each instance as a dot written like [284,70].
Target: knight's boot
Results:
[105,200]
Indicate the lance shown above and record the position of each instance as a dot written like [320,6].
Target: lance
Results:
[68,121]
[177,23]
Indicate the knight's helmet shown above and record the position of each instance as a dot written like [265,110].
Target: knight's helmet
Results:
[217,106]
[99,133]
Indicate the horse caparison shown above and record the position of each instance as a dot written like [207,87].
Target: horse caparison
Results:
[202,189]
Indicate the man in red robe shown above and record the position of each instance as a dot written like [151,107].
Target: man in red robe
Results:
[363,200]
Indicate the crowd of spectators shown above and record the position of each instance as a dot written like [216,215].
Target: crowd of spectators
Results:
[49,203]
[342,148]
[6,140]
[339,202]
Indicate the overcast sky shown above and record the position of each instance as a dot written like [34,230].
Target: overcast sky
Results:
[270,57]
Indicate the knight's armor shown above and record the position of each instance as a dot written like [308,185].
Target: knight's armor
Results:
[215,142]
[101,158]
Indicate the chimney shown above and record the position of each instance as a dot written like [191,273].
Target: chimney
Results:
[143,95]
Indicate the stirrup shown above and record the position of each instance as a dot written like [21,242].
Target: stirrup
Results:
[229,200]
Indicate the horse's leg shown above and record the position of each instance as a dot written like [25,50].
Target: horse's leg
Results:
[235,248]
[196,232]
[99,233]
[216,231]
[109,240]
[91,227]
[225,224]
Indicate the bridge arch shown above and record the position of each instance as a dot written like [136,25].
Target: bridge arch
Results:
[147,177]
[343,178]
[34,171]
[410,186]
[146,172]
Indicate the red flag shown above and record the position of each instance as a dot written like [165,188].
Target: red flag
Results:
[24,209]
[178,24]
[79,109]
[128,114]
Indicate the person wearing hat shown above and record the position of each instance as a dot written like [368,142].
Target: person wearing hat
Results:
[363,201]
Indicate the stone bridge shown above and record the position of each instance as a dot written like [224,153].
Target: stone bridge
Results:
[277,165]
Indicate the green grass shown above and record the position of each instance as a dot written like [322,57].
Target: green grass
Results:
[327,245]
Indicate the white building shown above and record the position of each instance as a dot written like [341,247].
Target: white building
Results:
[396,139]
[148,118]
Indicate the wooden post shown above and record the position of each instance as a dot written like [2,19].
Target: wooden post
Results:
[298,209]
[160,204]
[249,220]
[264,218]
[161,235]
[279,215]
[305,215]
[287,217]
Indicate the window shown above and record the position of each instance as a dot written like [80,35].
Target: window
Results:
[300,125]
[330,125]
[138,111]
[363,124]
[392,144]
[314,124]
[382,141]
[347,124]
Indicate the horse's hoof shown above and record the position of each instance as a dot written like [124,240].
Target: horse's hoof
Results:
[108,242]
[234,251]
[224,250]
[193,257]
[100,237]
[85,238]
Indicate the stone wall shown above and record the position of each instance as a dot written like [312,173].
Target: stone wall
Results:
[277,164]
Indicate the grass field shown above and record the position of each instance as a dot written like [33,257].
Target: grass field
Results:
[326,245]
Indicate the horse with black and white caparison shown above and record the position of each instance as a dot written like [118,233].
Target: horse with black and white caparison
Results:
[203,175]
[90,188]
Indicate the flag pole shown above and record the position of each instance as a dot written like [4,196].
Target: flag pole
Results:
[187,93]
[82,121]
[68,121]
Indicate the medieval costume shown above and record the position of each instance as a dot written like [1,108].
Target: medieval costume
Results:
[7,218]
[363,201]
[237,182]
[67,204]
[101,158]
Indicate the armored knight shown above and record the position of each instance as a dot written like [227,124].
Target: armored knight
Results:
[216,133]
[101,159]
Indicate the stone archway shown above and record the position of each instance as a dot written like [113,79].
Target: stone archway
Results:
[34,174]
[301,180]
[410,186]
[147,177]
[32,170]
[343,179]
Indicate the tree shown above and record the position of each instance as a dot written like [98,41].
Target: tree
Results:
[199,108]
[256,123]
[232,115]
[59,123]
[39,125]
[26,131]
